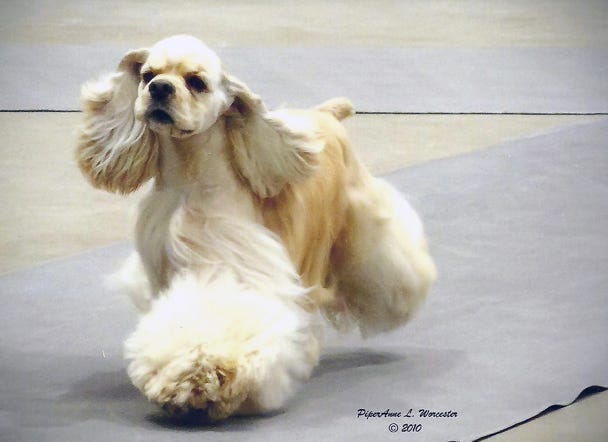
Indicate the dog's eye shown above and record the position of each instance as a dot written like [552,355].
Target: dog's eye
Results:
[147,77]
[196,83]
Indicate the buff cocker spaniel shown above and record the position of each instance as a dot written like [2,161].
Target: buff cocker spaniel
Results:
[257,223]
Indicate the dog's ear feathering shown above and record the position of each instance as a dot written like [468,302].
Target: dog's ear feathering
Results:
[270,149]
[115,151]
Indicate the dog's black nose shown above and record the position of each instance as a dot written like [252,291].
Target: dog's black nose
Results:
[161,89]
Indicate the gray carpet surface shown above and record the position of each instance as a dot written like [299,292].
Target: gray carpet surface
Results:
[542,80]
[517,321]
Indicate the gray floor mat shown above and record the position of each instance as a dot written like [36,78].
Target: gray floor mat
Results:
[516,323]
[549,80]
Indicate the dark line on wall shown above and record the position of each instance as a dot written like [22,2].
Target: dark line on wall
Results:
[582,114]
[485,113]
[42,111]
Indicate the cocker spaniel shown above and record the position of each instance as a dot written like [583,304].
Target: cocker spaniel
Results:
[257,221]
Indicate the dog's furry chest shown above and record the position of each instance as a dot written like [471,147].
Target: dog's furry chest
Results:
[208,209]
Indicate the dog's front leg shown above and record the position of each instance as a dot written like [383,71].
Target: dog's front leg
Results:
[132,280]
[211,343]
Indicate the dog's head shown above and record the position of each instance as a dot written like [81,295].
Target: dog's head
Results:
[181,86]
[178,88]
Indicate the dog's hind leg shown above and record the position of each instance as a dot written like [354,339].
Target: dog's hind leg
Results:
[381,260]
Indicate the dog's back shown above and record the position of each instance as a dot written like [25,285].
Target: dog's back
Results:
[353,239]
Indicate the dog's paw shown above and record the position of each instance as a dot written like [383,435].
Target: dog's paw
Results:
[192,380]
[215,345]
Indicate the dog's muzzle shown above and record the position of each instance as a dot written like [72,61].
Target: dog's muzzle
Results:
[161,92]
[159,115]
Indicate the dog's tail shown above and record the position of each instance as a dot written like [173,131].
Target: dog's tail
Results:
[339,107]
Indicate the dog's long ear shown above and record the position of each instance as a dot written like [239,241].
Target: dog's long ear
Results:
[115,151]
[270,149]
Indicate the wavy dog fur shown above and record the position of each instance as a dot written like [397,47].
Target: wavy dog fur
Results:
[257,220]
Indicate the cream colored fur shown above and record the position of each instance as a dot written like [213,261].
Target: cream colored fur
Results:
[257,221]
